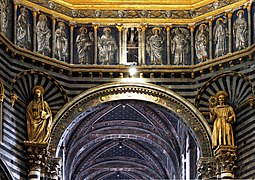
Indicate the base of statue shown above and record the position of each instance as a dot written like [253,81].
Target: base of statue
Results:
[35,144]
[37,156]
[225,157]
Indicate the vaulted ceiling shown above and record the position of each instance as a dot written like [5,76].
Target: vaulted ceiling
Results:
[125,140]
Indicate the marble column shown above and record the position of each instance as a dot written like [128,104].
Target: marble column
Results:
[1,110]
[15,22]
[206,168]
[192,27]
[249,24]
[71,24]
[96,43]
[53,36]
[34,30]
[230,34]
[141,47]
[124,46]
[120,30]
[168,44]
[210,39]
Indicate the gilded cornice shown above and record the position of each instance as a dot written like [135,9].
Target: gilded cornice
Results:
[160,12]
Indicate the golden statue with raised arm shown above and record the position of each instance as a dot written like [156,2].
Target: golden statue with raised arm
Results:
[223,117]
[39,117]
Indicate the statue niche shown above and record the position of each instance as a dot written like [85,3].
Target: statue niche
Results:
[180,46]
[39,117]
[223,116]
[154,46]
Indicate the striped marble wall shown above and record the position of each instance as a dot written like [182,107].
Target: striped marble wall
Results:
[14,121]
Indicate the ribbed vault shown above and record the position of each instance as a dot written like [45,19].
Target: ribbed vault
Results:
[126,140]
[129,131]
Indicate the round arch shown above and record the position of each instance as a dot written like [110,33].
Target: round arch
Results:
[131,91]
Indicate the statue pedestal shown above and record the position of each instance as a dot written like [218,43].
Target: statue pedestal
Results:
[41,165]
[37,156]
[225,157]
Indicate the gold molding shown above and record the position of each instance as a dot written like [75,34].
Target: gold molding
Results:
[109,4]
[159,21]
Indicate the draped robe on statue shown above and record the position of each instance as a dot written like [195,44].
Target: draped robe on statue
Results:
[223,117]
[38,127]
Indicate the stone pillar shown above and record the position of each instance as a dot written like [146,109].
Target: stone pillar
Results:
[53,36]
[71,24]
[210,39]
[15,23]
[230,39]
[120,29]
[206,168]
[168,44]
[34,30]
[225,157]
[124,46]
[96,43]
[1,111]
[141,47]
[249,24]
[37,156]
[192,43]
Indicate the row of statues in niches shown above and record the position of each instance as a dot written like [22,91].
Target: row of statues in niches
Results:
[106,45]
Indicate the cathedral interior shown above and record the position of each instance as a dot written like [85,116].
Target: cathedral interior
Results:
[120,89]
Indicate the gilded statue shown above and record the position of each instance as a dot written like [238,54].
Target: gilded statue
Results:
[39,117]
[223,116]
[155,46]
[240,31]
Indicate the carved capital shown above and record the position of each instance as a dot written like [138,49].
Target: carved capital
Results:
[54,165]
[37,155]
[168,28]
[15,6]
[142,28]
[53,20]
[34,13]
[191,27]
[225,157]
[120,28]
[95,26]
[230,14]
[72,25]
[206,168]
[210,22]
